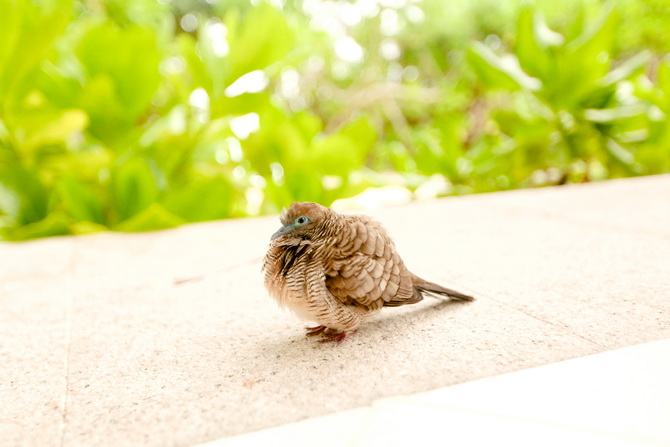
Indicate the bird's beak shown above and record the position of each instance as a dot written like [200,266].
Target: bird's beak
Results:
[282,231]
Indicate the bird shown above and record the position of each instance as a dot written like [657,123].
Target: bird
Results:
[338,270]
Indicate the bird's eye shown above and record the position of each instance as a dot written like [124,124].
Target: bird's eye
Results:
[302,220]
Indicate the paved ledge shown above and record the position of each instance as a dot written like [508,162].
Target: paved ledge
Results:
[168,338]
[616,398]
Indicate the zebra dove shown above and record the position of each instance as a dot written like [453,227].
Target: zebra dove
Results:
[337,270]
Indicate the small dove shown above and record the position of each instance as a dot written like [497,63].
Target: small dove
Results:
[338,269]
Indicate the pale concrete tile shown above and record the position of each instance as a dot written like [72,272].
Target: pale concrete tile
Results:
[223,371]
[402,423]
[34,340]
[624,393]
[154,362]
[29,261]
[643,213]
[629,408]
[334,430]
[192,253]
[609,286]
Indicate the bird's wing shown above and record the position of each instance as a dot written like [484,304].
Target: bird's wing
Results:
[370,274]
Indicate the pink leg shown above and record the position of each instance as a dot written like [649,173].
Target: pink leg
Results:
[336,337]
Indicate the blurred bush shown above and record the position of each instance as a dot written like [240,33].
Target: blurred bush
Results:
[136,115]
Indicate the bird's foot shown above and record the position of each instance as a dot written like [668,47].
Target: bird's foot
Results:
[335,337]
[316,330]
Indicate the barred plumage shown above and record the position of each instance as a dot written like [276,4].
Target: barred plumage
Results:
[338,269]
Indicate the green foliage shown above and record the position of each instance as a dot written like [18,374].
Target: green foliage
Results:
[567,106]
[141,115]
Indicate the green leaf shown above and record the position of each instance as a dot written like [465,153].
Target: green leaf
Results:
[197,73]
[620,153]
[30,193]
[55,224]
[126,62]
[614,114]
[80,201]
[261,39]
[337,154]
[439,150]
[531,51]
[282,138]
[10,203]
[210,61]
[200,200]
[587,58]
[597,37]
[155,217]
[86,227]
[28,33]
[546,37]
[310,125]
[134,188]
[361,131]
[499,72]
[108,120]
[635,64]
[303,185]
[343,151]
[663,76]
[10,23]
[400,157]
[429,153]
[52,128]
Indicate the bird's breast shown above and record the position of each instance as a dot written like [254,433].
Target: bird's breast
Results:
[285,278]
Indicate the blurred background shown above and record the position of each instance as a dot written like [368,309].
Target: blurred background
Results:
[136,115]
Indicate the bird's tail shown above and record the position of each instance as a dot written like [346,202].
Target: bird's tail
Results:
[435,290]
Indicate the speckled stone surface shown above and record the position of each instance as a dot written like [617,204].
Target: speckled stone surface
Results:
[168,338]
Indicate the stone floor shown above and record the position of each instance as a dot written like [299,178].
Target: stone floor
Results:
[168,338]
[615,398]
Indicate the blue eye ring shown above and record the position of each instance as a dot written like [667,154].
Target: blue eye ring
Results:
[302,220]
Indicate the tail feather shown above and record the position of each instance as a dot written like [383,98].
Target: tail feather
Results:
[437,290]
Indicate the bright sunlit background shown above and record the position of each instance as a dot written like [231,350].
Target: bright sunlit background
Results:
[144,114]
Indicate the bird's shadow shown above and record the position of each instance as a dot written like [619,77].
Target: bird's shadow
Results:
[390,325]
[417,314]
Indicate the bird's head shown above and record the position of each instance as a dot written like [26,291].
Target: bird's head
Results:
[302,220]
